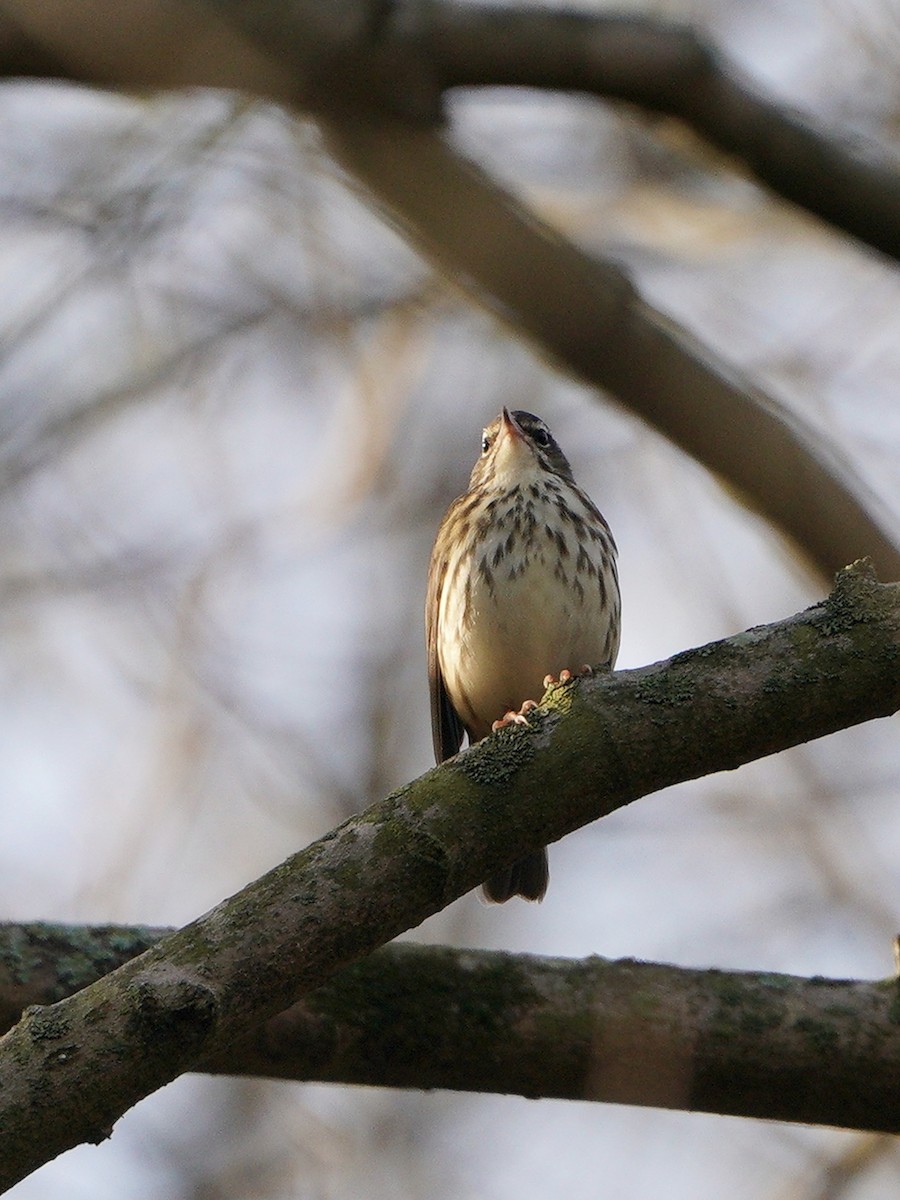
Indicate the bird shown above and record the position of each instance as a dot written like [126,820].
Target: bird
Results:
[522,587]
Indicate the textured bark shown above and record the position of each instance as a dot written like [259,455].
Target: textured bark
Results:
[68,1070]
[819,1051]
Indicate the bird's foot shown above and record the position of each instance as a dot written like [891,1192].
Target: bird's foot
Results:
[567,676]
[515,718]
[521,717]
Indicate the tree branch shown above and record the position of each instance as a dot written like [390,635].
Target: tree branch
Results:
[742,1043]
[198,991]
[668,67]
[588,314]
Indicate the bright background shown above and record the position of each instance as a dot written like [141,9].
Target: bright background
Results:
[233,406]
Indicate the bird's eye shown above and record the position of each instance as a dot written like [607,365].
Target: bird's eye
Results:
[541,437]
[485,443]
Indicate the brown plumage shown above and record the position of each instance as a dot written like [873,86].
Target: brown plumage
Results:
[522,584]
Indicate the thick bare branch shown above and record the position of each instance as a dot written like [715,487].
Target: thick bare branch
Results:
[412,1016]
[587,313]
[137,44]
[198,991]
[668,67]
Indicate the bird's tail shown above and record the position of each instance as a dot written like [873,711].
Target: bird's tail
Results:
[527,878]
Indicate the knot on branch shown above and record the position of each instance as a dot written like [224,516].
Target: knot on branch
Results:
[850,601]
[169,1009]
[858,578]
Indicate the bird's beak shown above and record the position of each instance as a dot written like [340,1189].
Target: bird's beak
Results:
[511,426]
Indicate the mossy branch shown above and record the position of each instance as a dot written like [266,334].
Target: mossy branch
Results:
[742,1043]
[68,1071]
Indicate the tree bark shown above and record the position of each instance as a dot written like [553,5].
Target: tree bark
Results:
[818,1051]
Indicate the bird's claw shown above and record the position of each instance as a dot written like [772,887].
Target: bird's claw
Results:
[520,717]
[514,718]
[552,681]
[566,676]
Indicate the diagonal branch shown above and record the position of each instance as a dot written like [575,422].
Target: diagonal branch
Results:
[736,1042]
[596,745]
[586,311]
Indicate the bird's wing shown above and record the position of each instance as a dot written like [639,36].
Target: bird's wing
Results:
[446,727]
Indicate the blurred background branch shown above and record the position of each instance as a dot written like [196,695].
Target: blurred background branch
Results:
[625,1032]
[359,57]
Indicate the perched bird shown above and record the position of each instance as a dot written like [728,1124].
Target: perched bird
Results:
[522,585]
